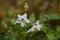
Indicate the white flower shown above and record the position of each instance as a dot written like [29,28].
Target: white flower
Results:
[22,19]
[35,27]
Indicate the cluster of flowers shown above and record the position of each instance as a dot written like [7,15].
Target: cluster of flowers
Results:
[22,19]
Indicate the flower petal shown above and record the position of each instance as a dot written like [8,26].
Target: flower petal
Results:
[37,21]
[22,24]
[30,30]
[25,15]
[27,21]
[19,17]
[18,21]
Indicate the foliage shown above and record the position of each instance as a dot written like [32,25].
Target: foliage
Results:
[16,32]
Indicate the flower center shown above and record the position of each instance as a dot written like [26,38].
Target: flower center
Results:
[35,24]
[22,19]
[35,29]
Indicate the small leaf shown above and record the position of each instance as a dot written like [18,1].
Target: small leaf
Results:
[51,36]
[32,17]
[53,16]
[58,32]
[44,29]
[10,34]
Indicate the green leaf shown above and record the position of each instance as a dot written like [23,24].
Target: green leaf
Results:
[51,36]
[58,32]
[32,17]
[58,16]
[2,37]
[53,16]
[8,20]
[58,29]
[10,34]
[42,17]
[44,29]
